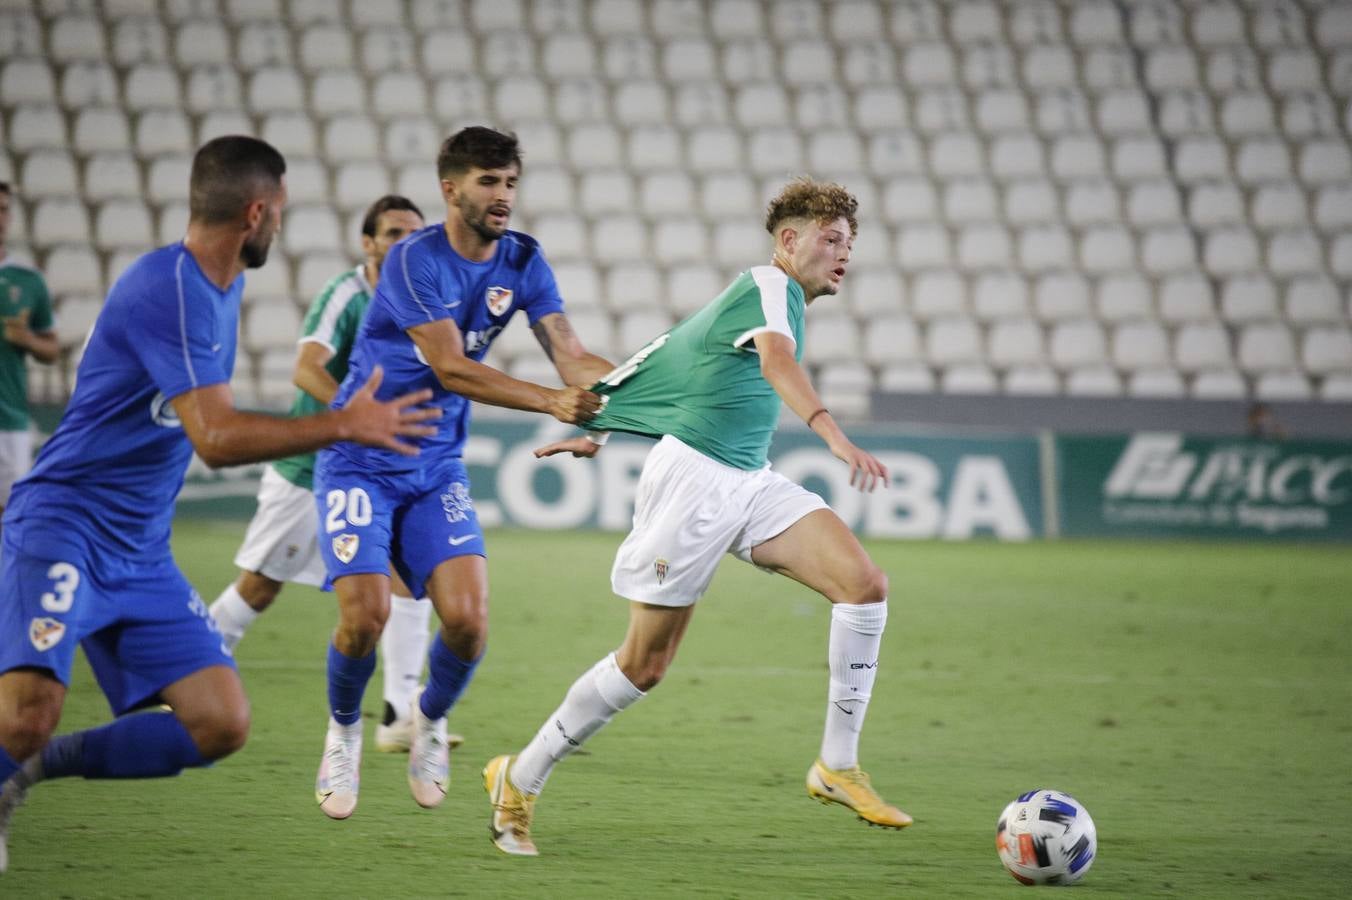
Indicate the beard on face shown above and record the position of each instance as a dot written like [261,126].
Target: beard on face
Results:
[477,219]
[255,250]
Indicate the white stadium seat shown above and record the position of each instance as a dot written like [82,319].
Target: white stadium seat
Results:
[1286,385]
[1093,381]
[307,229]
[1045,248]
[124,224]
[49,174]
[1219,384]
[1171,67]
[111,176]
[1038,381]
[968,378]
[448,52]
[894,153]
[891,339]
[953,341]
[1295,252]
[1077,342]
[1092,202]
[1096,22]
[1262,159]
[275,89]
[1249,298]
[619,238]
[1231,251]
[635,285]
[1186,297]
[1049,66]
[831,338]
[1201,158]
[988,66]
[1202,346]
[1016,342]
[1158,383]
[1035,22]
[940,109]
[199,42]
[138,39]
[1325,349]
[1107,248]
[213,88]
[938,294]
[1186,112]
[1266,347]
[1138,346]
[1167,250]
[73,269]
[923,246]
[162,131]
[152,86]
[1312,300]
[85,84]
[59,221]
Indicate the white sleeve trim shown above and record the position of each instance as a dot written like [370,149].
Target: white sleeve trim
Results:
[314,339]
[773,285]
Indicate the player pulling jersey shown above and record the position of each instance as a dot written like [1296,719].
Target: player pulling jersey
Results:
[358,488]
[99,501]
[701,381]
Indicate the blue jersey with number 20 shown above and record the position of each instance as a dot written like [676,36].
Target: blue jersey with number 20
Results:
[422,280]
[116,462]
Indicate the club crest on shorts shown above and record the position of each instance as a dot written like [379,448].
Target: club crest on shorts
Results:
[46,633]
[499,299]
[345,547]
[660,566]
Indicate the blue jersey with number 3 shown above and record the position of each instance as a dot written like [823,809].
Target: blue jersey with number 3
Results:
[422,280]
[116,462]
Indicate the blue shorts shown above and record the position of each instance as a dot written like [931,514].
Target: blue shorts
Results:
[415,521]
[141,624]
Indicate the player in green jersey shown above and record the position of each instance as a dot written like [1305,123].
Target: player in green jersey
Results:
[26,311]
[711,390]
[280,543]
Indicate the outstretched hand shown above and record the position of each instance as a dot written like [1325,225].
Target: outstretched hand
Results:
[866,470]
[378,423]
[581,446]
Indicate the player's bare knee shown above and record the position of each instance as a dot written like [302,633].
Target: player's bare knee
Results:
[870,586]
[29,731]
[224,732]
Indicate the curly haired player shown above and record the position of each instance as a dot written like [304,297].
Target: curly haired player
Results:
[711,389]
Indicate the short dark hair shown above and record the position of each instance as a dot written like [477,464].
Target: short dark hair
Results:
[819,201]
[477,146]
[384,205]
[229,173]
[4,187]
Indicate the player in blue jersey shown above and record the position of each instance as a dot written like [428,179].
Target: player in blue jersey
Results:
[445,294]
[86,554]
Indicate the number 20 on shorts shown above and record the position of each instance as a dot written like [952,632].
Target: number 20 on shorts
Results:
[350,507]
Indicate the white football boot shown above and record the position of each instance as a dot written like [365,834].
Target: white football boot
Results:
[339,770]
[429,758]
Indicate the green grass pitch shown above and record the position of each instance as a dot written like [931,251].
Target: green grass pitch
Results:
[1196,698]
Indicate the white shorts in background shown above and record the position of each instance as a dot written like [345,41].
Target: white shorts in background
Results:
[16,458]
[689,511]
[282,542]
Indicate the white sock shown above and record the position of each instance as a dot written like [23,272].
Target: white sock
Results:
[403,650]
[856,633]
[233,616]
[592,701]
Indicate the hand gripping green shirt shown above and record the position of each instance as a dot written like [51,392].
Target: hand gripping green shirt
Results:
[701,381]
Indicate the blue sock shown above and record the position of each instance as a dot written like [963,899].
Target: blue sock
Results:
[143,745]
[7,765]
[347,684]
[447,676]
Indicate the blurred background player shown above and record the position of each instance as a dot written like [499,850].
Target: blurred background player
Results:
[711,390]
[452,287]
[280,543]
[86,557]
[26,310]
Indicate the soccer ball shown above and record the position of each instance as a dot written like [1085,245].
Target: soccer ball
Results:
[1046,837]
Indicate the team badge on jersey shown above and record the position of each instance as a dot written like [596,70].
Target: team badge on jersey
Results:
[660,566]
[499,299]
[345,547]
[46,633]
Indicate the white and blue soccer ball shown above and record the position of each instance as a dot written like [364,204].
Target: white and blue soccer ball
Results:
[1046,837]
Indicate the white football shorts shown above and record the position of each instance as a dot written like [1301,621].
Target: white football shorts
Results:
[16,458]
[281,542]
[688,512]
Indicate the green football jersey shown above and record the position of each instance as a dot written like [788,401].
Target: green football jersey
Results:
[332,320]
[21,288]
[701,381]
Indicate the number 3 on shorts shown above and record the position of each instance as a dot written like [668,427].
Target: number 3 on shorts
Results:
[65,579]
[355,503]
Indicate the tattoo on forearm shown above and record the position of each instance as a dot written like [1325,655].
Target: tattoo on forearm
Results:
[542,335]
[551,332]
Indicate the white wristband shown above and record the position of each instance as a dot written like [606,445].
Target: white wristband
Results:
[598,437]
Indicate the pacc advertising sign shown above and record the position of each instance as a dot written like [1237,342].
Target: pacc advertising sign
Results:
[942,487]
[1154,484]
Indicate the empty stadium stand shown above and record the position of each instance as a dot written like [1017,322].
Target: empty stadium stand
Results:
[1142,198]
